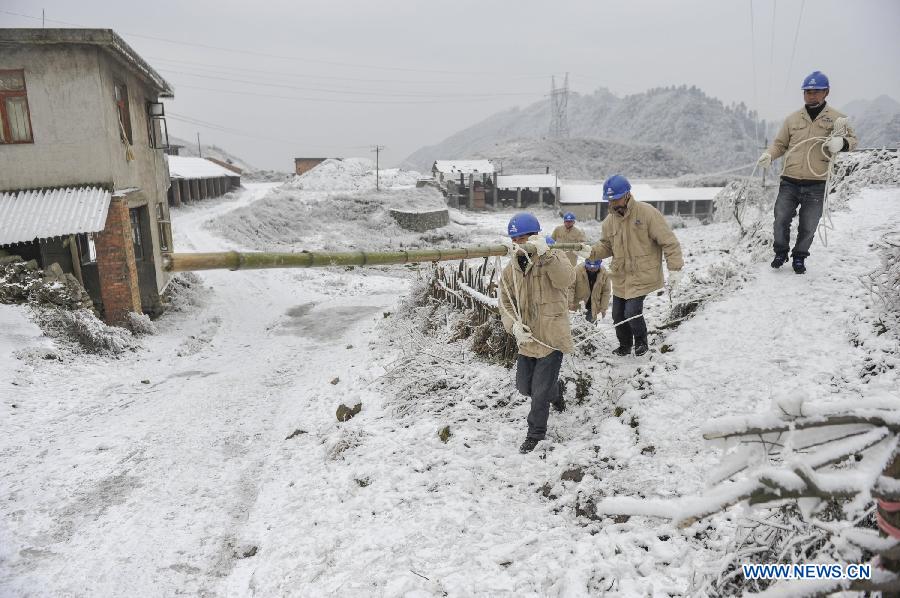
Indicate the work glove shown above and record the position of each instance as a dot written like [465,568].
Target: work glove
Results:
[539,243]
[674,278]
[765,160]
[834,144]
[522,333]
[585,251]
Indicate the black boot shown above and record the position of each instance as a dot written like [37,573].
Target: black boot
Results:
[799,266]
[528,445]
[640,345]
[622,351]
[780,259]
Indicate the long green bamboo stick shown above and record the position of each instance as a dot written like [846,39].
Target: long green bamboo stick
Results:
[233,260]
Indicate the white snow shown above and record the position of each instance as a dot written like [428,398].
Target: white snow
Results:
[186,167]
[210,462]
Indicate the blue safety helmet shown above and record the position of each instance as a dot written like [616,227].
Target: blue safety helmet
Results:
[815,80]
[523,223]
[593,264]
[615,187]
[568,217]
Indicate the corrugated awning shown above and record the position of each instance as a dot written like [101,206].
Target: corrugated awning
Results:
[186,167]
[42,213]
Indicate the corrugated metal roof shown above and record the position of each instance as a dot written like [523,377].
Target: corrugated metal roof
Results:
[186,167]
[464,166]
[41,213]
[526,181]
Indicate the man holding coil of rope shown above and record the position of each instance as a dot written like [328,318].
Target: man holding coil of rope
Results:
[533,308]
[809,140]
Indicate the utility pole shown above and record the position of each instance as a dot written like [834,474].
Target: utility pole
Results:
[377,149]
[43,16]
[199,147]
[765,169]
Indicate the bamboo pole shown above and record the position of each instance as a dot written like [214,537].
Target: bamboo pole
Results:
[233,260]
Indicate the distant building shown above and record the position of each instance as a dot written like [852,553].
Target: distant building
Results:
[526,189]
[83,178]
[304,165]
[198,178]
[469,180]
[586,200]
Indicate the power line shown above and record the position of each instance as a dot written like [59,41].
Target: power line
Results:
[347,92]
[230,68]
[772,51]
[794,50]
[267,55]
[753,60]
[334,100]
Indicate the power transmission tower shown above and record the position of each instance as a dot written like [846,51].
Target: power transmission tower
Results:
[559,109]
[377,149]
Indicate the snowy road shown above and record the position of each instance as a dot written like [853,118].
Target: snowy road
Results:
[226,474]
[131,488]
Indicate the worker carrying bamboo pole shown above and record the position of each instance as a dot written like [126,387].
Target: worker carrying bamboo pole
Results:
[533,308]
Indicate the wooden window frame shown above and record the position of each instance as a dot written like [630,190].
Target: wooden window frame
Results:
[164,228]
[123,112]
[4,117]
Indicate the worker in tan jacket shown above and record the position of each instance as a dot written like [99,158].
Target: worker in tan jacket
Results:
[533,302]
[636,235]
[592,287]
[808,140]
[567,232]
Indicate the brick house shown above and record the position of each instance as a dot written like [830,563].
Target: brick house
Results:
[83,179]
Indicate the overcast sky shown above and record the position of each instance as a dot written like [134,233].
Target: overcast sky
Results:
[274,79]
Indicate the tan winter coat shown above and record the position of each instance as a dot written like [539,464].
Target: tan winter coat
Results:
[540,297]
[796,129]
[636,243]
[598,296]
[576,235]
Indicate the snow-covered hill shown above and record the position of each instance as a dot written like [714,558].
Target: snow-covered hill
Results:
[708,134]
[586,158]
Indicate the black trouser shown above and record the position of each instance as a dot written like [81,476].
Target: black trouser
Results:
[538,378]
[811,200]
[622,309]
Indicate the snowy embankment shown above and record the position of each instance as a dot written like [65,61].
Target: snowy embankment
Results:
[211,462]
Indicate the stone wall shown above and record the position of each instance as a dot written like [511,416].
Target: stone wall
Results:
[421,221]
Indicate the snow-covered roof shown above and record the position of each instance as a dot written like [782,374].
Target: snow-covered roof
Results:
[688,193]
[185,167]
[581,193]
[526,181]
[42,213]
[464,166]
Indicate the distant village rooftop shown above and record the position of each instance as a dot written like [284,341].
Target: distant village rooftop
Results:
[107,39]
[464,166]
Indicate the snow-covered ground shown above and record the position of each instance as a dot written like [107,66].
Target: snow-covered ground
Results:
[210,462]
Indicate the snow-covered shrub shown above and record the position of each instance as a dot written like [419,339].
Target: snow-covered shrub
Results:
[140,324]
[185,292]
[856,170]
[83,328]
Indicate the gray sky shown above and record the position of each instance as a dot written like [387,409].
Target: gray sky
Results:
[330,78]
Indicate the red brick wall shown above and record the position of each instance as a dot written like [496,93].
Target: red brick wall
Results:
[302,165]
[115,265]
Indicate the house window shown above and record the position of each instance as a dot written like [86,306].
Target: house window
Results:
[136,236]
[15,118]
[87,248]
[164,227]
[156,126]
[123,114]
